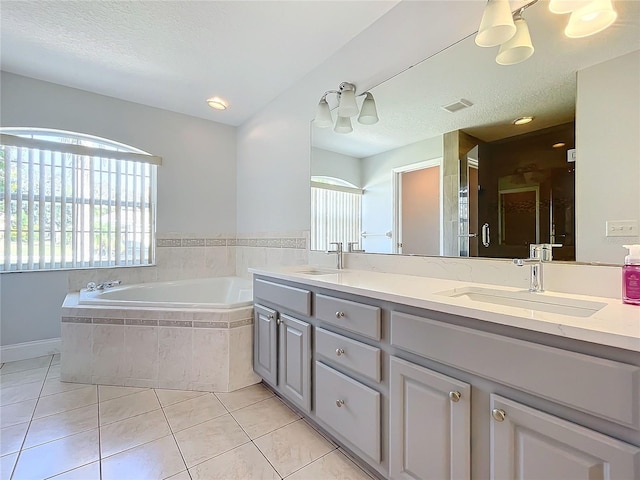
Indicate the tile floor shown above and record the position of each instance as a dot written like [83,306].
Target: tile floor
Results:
[52,429]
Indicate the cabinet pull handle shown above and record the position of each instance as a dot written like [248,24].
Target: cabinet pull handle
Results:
[339,351]
[498,414]
[339,314]
[455,396]
[339,403]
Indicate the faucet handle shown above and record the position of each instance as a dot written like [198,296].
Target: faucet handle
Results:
[338,247]
[350,248]
[547,251]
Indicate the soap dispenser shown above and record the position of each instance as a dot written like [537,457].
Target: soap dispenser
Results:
[631,276]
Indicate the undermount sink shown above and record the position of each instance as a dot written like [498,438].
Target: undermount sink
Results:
[316,271]
[524,299]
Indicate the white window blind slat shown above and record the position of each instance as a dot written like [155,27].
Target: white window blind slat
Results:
[18,216]
[336,216]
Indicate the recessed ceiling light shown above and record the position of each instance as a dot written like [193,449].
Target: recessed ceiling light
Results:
[558,145]
[522,120]
[217,103]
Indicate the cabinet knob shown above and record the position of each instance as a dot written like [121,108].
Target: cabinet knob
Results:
[278,321]
[339,351]
[455,396]
[339,314]
[498,414]
[339,403]
[270,317]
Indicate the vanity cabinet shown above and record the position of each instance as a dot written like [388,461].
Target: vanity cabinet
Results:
[429,424]
[420,394]
[282,342]
[527,443]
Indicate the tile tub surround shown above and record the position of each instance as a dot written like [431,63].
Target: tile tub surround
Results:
[203,350]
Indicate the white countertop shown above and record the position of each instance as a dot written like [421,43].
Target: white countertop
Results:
[615,325]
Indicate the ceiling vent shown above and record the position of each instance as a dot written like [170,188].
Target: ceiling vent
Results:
[459,105]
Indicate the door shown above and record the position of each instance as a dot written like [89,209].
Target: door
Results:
[429,424]
[529,444]
[420,211]
[295,361]
[265,344]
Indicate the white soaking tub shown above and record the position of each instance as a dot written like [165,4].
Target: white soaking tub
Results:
[220,292]
[186,335]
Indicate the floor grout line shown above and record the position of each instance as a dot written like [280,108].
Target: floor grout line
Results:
[99,434]
[172,433]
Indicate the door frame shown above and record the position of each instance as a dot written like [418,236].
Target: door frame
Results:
[396,183]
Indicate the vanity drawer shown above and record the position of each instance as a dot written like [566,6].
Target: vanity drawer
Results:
[352,316]
[350,408]
[354,355]
[290,298]
[604,388]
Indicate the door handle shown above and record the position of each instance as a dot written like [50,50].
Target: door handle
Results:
[486,240]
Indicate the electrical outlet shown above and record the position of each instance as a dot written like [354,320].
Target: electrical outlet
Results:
[622,228]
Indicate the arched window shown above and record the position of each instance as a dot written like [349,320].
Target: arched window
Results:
[70,200]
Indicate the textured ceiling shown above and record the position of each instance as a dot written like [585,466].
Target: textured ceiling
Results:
[176,54]
[409,105]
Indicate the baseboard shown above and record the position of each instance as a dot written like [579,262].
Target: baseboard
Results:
[22,351]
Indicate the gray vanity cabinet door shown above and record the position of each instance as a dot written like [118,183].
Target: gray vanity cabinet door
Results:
[295,361]
[265,344]
[527,443]
[429,424]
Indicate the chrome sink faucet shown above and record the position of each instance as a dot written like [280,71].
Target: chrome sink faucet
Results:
[91,286]
[338,251]
[351,249]
[539,253]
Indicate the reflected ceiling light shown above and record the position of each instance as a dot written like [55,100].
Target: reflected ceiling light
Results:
[519,47]
[565,6]
[347,108]
[217,103]
[496,26]
[523,120]
[590,19]
[558,145]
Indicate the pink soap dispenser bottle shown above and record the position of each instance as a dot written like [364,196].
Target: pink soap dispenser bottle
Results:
[631,276]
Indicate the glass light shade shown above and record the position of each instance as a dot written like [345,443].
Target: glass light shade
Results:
[217,103]
[594,17]
[348,106]
[343,125]
[323,115]
[368,112]
[496,26]
[519,48]
[566,6]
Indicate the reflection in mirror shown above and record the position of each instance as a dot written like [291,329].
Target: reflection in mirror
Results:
[464,180]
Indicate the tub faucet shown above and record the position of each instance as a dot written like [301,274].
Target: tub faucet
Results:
[539,253]
[110,284]
[337,251]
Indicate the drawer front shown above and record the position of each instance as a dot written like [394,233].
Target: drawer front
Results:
[350,408]
[290,298]
[604,388]
[345,352]
[352,316]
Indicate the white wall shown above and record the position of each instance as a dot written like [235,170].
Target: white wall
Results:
[274,145]
[377,181]
[196,183]
[332,164]
[608,156]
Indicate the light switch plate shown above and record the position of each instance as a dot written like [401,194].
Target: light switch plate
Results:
[622,228]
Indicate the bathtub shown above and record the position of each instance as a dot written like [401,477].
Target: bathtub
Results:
[185,335]
[221,292]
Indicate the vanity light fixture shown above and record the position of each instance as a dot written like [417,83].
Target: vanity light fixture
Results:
[499,26]
[347,108]
[217,103]
[590,19]
[519,47]
[523,120]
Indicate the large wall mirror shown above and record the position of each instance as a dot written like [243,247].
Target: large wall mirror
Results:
[425,180]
